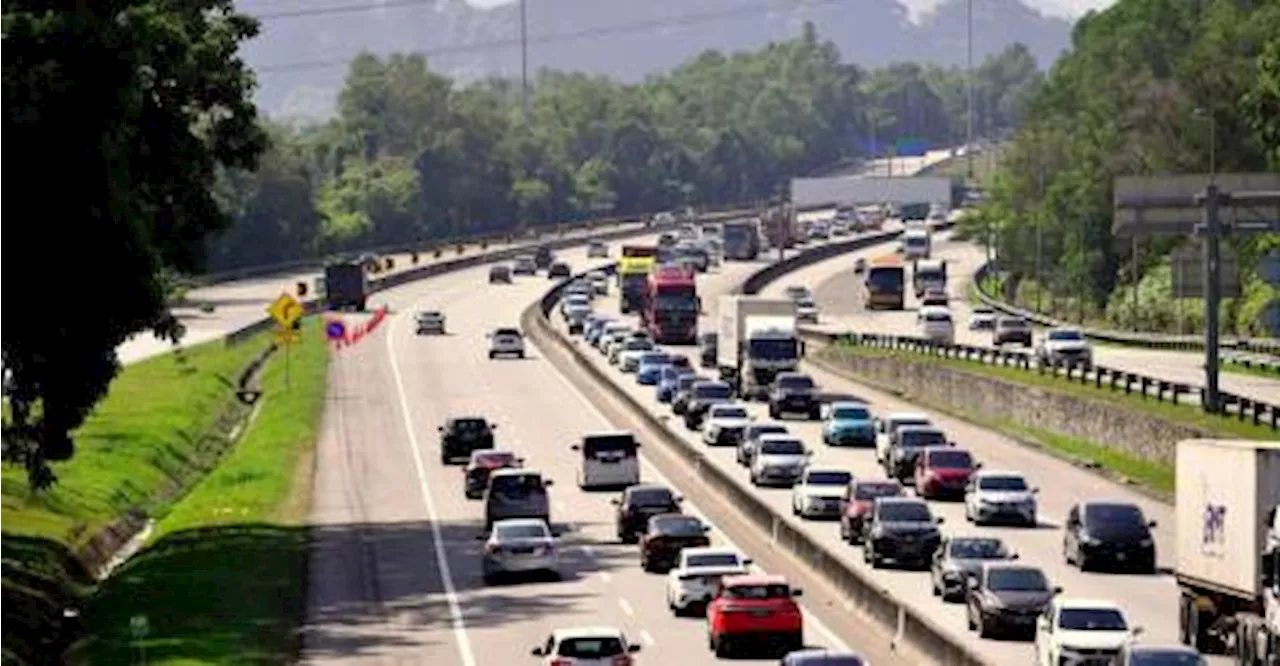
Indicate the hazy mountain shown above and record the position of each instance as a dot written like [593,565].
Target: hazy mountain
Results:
[304,45]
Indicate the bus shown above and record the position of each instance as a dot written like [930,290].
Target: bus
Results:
[885,284]
[671,305]
[633,273]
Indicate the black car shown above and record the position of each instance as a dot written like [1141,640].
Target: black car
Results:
[640,503]
[543,258]
[668,534]
[684,392]
[499,275]
[1007,598]
[901,529]
[794,392]
[905,445]
[702,396]
[559,270]
[960,558]
[461,435]
[707,349]
[1109,533]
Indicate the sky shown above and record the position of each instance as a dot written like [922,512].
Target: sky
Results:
[1062,8]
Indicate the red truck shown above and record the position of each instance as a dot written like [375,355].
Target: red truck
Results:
[755,608]
[671,305]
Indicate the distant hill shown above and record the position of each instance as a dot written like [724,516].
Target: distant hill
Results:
[302,47]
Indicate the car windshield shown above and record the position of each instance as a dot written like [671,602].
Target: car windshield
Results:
[517,485]
[851,414]
[795,383]
[758,592]
[495,459]
[594,445]
[976,549]
[729,412]
[782,447]
[937,317]
[651,497]
[868,491]
[711,560]
[905,512]
[797,292]
[1017,580]
[713,392]
[1014,323]
[953,459]
[1113,514]
[591,648]
[686,381]
[805,303]
[638,345]
[1165,657]
[781,349]
[1092,619]
[768,429]
[1065,335]
[522,531]
[507,331]
[578,299]
[898,423]
[678,526]
[983,312]
[469,425]
[830,478]
[885,278]
[912,439]
[656,358]
[1009,483]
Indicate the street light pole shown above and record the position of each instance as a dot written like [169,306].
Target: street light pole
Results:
[968,150]
[524,63]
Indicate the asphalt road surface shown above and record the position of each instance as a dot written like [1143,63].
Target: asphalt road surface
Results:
[1150,601]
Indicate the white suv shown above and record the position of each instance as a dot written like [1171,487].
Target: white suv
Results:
[506,342]
[586,646]
[693,582]
[1081,631]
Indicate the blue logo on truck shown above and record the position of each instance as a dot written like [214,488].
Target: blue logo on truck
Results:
[1214,522]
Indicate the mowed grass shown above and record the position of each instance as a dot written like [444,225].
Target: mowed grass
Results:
[222,579]
[140,443]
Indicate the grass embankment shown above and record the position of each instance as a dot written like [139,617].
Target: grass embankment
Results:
[1156,476]
[222,579]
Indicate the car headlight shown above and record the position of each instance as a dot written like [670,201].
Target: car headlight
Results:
[1146,543]
[1089,540]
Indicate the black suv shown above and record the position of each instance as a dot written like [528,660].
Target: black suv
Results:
[500,275]
[1005,597]
[707,349]
[901,529]
[1109,533]
[460,436]
[640,503]
[559,270]
[794,392]
[543,257]
[684,392]
[702,396]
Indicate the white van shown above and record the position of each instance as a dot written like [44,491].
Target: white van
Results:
[936,324]
[609,460]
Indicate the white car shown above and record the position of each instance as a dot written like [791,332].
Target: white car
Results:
[885,425]
[611,330]
[574,301]
[693,581]
[982,319]
[627,355]
[520,546]
[597,250]
[779,460]
[725,425]
[821,493]
[431,322]
[1081,631]
[599,282]
[1065,345]
[586,646]
[995,495]
[506,342]
[807,310]
[936,324]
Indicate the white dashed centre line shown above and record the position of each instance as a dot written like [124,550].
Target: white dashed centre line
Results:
[647,637]
[626,607]
[606,576]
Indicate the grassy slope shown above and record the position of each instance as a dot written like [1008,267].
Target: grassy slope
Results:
[222,578]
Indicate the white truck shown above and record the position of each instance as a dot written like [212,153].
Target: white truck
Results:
[916,243]
[757,340]
[1228,548]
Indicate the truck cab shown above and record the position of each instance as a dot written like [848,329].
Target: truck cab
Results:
[345,286]
[671,306]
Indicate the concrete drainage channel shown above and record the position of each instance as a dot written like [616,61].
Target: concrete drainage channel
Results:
[911,631]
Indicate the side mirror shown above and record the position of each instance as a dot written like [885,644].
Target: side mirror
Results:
[493,426]
[537,652]
[972,583]
[548,483]
[481,537]
[679,498]
[1057,590]
[633,648]
[977,465]
[575,447]
[748,561]
[1014,556]
[440,428]
[939,520]
[1136,631]
[519,461]
[706,529]
[1151,524]
[797,592]
[616,502]
[555,533]
[1035,491]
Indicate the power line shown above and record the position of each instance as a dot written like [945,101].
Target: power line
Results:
[684,20]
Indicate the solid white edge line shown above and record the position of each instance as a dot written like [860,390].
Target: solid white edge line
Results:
[810,619]
[465,654]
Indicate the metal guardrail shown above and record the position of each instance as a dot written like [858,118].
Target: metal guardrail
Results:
[1150,340]
[1245,409]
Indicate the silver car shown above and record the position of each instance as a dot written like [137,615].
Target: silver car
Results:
[999,496]
[779,460]
[520,546]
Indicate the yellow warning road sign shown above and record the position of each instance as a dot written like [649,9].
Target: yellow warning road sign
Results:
[285,310]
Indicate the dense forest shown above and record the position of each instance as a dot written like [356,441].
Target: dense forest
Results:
[413,155]
[1150,86]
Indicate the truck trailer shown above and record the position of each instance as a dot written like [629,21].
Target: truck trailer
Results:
[741,240]
[928,274]
[345,286]
[1228,548]
[757,340]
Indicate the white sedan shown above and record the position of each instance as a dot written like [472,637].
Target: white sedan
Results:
[585,646]
[506,342]
[821,493]
[725,425]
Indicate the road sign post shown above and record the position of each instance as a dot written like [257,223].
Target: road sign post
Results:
[1196,204]
[287,311]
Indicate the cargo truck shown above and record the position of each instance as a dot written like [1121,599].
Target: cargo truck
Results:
[345,286]
[633,274]
[741,240]
[757,340]
[1228,548]
[916,244]
[927,274]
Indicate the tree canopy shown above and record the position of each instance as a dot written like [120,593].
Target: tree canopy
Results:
[118,115]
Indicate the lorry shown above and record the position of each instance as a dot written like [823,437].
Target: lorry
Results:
[345,286]
[757,340]
[916,243]
[633,274]
[928,275]
[741,240]
[1228,547]
[885,284]
[671,306]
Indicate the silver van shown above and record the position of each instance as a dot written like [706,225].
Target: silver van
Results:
[516,493]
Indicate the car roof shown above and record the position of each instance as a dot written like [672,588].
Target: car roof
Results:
[523,471]
[467,417]
[754,579]
[1144,648]
[711,550]
[647,486]
[1085,602]
[518,522]
[918,428]
[903,416]
[999,472]
[587,632]
[849,403]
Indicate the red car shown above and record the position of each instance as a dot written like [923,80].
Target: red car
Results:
[755,608]
[862,495]
[943,471]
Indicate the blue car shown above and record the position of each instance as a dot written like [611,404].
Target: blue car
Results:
[650,369]
[849,424]
[669,382]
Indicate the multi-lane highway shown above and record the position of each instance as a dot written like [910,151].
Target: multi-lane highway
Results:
[1150,601]
[395,574]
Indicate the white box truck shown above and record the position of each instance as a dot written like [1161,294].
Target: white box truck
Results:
[1228,547]
[757,340]
[916,243]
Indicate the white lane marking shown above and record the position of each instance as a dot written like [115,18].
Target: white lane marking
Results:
[560,507]
[626,607]
[465,655]
[606,576]
[810,619]
[647,637]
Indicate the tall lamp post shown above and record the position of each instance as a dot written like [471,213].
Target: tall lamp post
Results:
[968,149]
[524,63]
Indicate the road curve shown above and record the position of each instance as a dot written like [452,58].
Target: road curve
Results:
[394,576]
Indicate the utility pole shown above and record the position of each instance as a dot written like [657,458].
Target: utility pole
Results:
[1212,296]
[968,150]
[524,63]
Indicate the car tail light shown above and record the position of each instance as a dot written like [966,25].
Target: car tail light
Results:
[562,662]
[621,660]
[735,609]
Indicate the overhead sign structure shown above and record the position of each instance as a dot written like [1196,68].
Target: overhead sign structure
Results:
[910,147]
[286,310]
[1188,272]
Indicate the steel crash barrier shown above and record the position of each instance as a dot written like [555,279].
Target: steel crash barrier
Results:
[908,627]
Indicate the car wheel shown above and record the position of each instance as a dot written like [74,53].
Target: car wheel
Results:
[722,647]
[491,355]
[519,354]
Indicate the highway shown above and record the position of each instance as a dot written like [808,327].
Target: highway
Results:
[1150,601]
[395,573]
